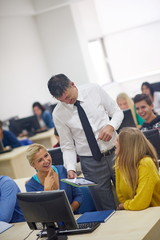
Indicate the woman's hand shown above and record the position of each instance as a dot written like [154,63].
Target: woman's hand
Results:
[51,181]
[120,206]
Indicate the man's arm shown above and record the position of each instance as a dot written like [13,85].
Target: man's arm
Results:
[8,200]
[67,146]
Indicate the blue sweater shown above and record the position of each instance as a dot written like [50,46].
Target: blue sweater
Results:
[73,193]
[9,139]
[47,118]
[9,208]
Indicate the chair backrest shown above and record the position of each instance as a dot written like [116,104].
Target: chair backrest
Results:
[153,136]
[56,154]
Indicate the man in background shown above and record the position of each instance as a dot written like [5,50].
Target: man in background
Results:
[144,108]
[99,108]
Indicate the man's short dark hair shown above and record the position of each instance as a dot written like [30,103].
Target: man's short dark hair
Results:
[58,84]
[142,97]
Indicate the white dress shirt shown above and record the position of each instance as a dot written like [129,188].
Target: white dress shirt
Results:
[99,106]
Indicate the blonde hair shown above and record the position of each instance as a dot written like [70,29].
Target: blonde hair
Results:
[129,103]
[32,150]
[133,147]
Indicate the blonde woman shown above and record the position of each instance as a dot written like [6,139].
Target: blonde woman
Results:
[137,177]
[48,176]
[125,102]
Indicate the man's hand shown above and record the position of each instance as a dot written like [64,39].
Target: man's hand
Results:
[106,133]
[72,174]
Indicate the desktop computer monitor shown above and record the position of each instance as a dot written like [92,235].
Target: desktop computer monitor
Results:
[30,124]
[128,120]
[47,208]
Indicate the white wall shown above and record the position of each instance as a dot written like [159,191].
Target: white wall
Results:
[23,70]
[61,44]
[34,47]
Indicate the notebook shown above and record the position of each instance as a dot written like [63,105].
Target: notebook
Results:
[97,216]
[4,226]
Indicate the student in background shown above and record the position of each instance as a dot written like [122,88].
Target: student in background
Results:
[125,102]
[48,176]
[144,108]
[137,177]
[44,116]
[8,138]
[147,88]
[9,209]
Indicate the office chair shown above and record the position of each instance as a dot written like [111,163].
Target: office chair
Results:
[153,136]
[56,154]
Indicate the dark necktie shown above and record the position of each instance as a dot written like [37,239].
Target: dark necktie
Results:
[97,155]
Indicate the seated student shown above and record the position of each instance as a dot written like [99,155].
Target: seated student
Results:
[48,176]
[144,108]
[147,88]
[125,102]
[137,177]
[44,116]
[9,209]
[8,138]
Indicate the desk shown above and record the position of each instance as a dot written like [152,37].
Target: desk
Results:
[123,225]
[47,138]
[14,164]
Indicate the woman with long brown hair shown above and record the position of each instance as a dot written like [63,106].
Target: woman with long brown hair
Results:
[137,176]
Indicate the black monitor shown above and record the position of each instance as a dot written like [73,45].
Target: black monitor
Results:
[30,124]
[50,209]
[128,120]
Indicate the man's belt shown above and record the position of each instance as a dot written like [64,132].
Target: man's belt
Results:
[109,152]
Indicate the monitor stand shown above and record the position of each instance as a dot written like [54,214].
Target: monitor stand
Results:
[52,233]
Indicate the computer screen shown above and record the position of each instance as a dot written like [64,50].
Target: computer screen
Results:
[30,124]
[128,120]
[47,207]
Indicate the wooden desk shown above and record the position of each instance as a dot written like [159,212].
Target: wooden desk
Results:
[14,164]
[47,138]
[123,225]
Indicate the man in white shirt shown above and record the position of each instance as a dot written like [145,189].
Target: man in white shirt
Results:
[99,108]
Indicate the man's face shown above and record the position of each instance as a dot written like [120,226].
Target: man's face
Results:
[144,110]
[70,95]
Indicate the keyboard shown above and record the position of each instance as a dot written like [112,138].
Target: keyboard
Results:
[82,228]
